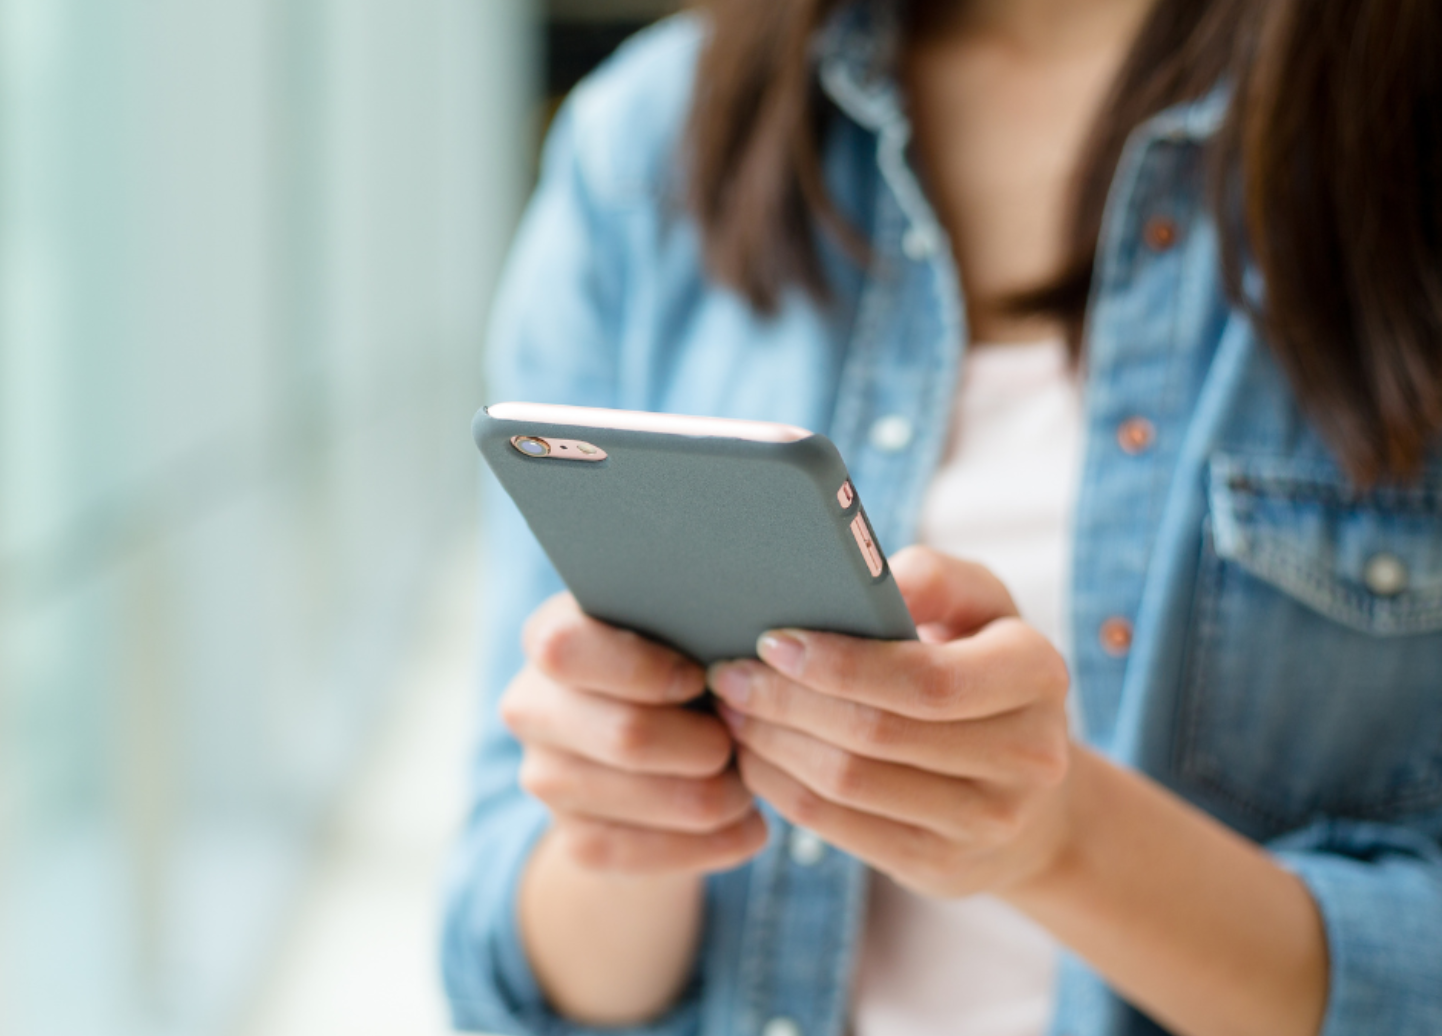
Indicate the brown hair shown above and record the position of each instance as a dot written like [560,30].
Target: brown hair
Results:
[1327,176]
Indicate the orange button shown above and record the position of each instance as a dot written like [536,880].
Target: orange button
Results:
[1160,233]
[1116,636]
[1135,435]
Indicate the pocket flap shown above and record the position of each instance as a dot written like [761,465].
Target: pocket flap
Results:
[1371,560]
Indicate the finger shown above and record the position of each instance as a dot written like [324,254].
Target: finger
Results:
[571,647]
[946,591]
[606,846]
[647,739]
[1024,746]
[1005,666]
[570,784]
[958,809]
[886,845]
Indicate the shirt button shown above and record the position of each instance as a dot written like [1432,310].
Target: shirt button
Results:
[1385,575]
[919,243]
[892,434]
[805,847]
[1160,233]
[1116,636]
[780,1026]
[1136,435]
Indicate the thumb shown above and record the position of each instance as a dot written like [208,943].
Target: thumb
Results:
[944,591]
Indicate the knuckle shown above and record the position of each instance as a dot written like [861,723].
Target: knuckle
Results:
[999,821]
[937,688]
[1040,765]
[1053,761]
[1043,755]
[932,861]
[1057,677]
[631,735]
[874,728]
[551,646]
[737,838]
[593,847]
[636,662]
[711,759]
[805,807]
[845,776]
[1053,678]
[540,778]
[514,711]
[705,804]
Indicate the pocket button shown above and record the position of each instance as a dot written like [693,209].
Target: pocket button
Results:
[1385,575]
[781,1026]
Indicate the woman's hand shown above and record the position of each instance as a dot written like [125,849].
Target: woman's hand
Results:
[635,782]
[942,763]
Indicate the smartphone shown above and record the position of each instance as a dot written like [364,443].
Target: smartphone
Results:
[700,533]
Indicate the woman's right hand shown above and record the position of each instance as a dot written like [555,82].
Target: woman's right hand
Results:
[635,782]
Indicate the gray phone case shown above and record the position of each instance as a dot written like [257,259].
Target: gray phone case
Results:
[699,543]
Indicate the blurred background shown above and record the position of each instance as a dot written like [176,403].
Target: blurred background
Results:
[246,254]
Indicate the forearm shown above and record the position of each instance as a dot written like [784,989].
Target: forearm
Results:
[607,949]
[1191,922]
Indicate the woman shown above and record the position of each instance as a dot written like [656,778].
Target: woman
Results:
[1187,416]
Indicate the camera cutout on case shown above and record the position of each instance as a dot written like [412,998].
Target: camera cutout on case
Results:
[539,447]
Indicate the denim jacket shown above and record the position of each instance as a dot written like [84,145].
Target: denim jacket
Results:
[1284,671]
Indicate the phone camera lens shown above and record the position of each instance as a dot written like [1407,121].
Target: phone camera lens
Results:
[531,446]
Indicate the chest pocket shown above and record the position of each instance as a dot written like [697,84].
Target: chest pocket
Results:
[1314,673]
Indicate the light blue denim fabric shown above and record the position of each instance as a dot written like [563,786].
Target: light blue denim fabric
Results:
[1280,677]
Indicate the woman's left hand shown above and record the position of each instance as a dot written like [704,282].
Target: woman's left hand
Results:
[943,763]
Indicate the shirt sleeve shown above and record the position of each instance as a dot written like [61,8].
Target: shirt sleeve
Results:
[553,339]
[1379,890]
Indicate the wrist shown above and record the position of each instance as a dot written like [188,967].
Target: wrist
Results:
[1063,859]
[608,949]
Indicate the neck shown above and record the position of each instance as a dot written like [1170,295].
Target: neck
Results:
[1035,26]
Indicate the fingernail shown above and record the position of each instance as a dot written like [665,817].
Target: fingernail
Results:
[732,682]
[781,651]
[733,719]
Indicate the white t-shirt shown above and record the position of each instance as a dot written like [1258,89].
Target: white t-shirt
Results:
[1003,497]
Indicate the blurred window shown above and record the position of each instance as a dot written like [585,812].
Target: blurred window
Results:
[245,252]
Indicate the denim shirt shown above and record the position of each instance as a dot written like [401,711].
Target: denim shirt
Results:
[1285,665]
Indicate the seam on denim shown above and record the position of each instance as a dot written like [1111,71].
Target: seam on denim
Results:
[1175,379]
[854,399]
[854,880]
[758,940]
[1298,480]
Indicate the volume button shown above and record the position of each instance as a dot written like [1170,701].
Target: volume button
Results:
[866,543]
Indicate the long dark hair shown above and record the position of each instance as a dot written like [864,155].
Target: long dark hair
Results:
[1327,176]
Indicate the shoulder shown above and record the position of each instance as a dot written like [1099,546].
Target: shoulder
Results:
[625,120]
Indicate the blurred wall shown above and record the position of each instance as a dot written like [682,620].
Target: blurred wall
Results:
[245,252]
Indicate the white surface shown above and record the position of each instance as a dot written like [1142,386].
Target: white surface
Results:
[1003,497]
[361,958]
